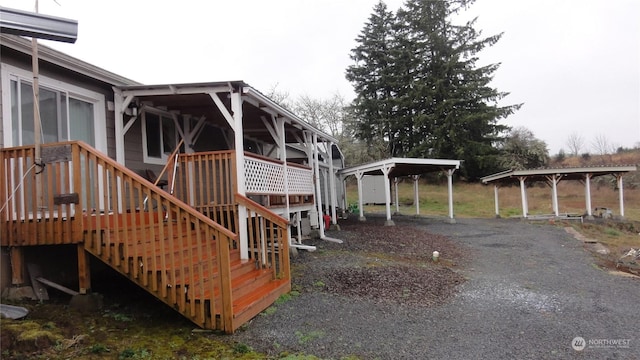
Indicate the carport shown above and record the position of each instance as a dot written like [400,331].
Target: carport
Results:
[552,176]
[394,168]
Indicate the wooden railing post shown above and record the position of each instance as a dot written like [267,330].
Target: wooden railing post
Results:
[224,269]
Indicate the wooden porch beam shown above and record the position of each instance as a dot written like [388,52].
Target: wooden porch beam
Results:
[223,109]
[173,90]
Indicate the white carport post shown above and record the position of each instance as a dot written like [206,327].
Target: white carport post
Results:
[523,195]
[620,193]
[587,195]
[554,179]
[387,194]
[395,193]
[359,176]
[450,188]
[236,110]
[416,193]
[496,201]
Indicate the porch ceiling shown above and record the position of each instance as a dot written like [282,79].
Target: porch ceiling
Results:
[194,100]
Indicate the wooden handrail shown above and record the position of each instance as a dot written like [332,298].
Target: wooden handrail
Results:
[155,190]
[263,211]
[164,168]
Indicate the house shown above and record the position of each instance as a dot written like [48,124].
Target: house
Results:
[191,191]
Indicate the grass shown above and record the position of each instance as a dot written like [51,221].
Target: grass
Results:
[471,200]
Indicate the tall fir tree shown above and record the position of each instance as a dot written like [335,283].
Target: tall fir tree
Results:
[442,104]
[371,77]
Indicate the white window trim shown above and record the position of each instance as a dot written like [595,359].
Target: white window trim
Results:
[9,72]
[145,156]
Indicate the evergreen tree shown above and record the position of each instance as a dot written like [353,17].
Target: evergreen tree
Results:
[439,103]
[371,77]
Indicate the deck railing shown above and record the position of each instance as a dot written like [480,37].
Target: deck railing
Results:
[268,238]
[81,193]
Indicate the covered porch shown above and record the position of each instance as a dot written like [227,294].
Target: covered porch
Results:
[234,140]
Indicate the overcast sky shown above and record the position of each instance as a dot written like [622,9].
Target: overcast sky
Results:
[574,64]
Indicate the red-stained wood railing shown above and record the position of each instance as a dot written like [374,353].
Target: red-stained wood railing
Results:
[268,238]
[172,250]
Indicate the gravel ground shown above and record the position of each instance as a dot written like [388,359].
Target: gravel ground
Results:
[505,289]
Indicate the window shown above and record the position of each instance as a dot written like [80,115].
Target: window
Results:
[67,112]
[159,137]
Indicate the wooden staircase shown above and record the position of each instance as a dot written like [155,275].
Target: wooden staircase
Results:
[156,262]
[189,260]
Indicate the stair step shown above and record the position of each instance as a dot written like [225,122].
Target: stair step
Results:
[250,305]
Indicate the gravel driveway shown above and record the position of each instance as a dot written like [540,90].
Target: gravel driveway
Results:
[529,291]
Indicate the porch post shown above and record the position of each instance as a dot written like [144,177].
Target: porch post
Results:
[316,169]
[325,186]
[236,109]
[620,194]
[282,145]
[119,125]
[587,195]
[387,195]
[332,186]
[450,189]
[359,176]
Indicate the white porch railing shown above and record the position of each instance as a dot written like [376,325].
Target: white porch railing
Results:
[264,176]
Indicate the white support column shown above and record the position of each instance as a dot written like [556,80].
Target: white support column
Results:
[587,194]
[119,125]
[554,182]
[332,187]
[325,187]
[189,140]
[359,176]
[395,193]
[496,201]
[316,169]
[620,194]
[282,152]
[450,188]
[416,193]
[236,109]
[387,195]
[523,195]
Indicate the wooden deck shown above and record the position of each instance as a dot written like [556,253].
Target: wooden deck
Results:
[189,260]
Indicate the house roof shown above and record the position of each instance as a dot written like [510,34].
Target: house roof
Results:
[194,99]
[402,167]
[61,59]
[568,173]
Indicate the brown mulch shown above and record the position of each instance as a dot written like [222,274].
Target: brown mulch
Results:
[383,264]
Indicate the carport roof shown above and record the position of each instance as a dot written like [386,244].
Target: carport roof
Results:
[570,173]
[402,167]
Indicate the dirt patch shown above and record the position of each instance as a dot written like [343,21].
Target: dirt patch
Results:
[389,264]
